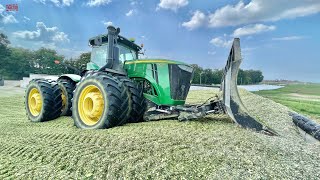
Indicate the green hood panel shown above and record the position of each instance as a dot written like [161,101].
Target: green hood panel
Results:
[154,61]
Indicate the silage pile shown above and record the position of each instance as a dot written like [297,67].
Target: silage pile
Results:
[209,148]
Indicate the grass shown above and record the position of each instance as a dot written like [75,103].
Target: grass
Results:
[302,98]
[209,148]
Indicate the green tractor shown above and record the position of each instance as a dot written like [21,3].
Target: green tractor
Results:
[117,88]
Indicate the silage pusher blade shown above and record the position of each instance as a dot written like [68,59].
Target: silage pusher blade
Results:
[230,95]
[230,103]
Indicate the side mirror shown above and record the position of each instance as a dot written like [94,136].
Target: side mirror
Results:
[118,30]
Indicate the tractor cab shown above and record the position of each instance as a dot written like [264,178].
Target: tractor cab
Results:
[127,50]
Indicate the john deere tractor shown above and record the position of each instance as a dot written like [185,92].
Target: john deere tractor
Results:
[117,87]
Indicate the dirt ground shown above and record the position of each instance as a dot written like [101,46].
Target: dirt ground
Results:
[11,88]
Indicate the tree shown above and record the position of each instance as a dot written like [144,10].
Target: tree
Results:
[4,40]
[18,64]
[81,62]
[43,62]
[196,73]
[217,76]
[4,53]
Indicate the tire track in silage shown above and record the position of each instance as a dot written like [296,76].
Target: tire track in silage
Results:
[54,153]
[53,149]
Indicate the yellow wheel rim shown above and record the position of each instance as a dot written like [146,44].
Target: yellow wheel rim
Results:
[64,101]
[90,105]
[34,102]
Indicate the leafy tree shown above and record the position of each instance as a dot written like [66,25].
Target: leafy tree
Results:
[43,62]
[18,63]
[81,62]
[4,53]
[196,73]
[217,76]
[209,76]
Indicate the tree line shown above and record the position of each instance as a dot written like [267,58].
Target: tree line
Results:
[214,76]
[16,63]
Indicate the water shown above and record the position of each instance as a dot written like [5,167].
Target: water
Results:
[250,88]
[260,87]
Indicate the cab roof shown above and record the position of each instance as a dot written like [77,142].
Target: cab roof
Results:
[121,40]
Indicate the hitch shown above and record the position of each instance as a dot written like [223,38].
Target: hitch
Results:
[190,111]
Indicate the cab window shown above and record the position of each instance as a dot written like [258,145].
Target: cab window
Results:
[126,54]
[99,55]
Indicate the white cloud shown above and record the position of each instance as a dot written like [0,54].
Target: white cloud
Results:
[2,8]
[107,23]
[221,42]
[130,13]
[198,19]
[67,2]
[58,3]
[173,5]
[261,11]
[93,3]
[288,38]
[40,1]
[43,34]
[252,29]
[26,19]
[133,2]
[7,19]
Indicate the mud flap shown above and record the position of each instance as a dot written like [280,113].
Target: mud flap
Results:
[231,99]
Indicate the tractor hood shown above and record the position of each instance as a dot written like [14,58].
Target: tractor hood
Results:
[155,61]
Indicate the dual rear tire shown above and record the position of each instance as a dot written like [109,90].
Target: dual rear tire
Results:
[43,100]
[104,101]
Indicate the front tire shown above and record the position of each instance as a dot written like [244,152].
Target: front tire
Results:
[137,101]
[100,101]
[43,100]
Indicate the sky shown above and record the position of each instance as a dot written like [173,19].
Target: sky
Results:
[279,37]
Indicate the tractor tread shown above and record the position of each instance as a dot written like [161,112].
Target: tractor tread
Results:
[51,98]
[118,101]
[137,101]
[69,86]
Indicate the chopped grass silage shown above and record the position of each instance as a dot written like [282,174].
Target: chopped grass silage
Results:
[211,147]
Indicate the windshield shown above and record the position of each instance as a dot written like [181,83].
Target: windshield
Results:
[126,54]
[99,55]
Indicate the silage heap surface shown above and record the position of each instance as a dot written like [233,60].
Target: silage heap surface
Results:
[212,147]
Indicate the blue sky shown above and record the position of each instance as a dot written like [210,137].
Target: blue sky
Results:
[279,37]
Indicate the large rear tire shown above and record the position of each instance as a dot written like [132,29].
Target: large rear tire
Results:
[137,102]
[43,100]
[100,101]
[67,87]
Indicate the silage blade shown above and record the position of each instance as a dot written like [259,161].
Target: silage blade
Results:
[231,99]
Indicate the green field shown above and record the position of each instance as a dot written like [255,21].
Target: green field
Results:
[302,98]
[210,148]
